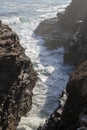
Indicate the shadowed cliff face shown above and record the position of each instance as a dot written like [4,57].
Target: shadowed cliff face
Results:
[59,30]
[76,11]
[75,109]
[70,31]
[17,79]
[72,111]
[76,52]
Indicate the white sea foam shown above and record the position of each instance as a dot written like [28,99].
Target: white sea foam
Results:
[52,9]
[11,20]
[52,74]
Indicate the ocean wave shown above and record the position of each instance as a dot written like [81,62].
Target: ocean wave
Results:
[49,9]
[47,63]
[11,20]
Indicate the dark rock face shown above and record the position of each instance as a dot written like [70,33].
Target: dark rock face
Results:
[53,34]
[70,31]
[76,11]
[76,52]
[17,79]
[53,123]
[72,111]
[59,30]
[75,109]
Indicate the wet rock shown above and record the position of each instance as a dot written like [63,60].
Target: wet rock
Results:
[71,115]
[53,123]
[59,30]
[71,29]
[17,80]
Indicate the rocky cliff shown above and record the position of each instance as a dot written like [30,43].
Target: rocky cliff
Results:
[17,79]
[72,111]
[76,51]
[69,29]
[59,30]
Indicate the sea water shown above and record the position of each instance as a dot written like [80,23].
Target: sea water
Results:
[24,16]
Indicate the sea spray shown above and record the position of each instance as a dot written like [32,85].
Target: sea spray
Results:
[24,16]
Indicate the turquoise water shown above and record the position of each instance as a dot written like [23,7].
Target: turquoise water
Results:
[24,16]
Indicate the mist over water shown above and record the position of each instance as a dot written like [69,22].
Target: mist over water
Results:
[24,16]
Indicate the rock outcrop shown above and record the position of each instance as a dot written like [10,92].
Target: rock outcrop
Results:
[76,51]
[17,79]
[69,29]
[59,30]
[72,111]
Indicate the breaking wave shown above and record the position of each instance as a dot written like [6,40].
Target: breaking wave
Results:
[52,73]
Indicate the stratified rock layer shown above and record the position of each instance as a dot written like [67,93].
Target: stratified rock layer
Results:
[17,79]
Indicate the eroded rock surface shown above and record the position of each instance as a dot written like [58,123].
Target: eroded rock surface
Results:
[72,111]
[17,79]
[69,29]
[76,51]
[59,30]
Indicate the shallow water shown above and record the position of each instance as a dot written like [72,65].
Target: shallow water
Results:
[24,16]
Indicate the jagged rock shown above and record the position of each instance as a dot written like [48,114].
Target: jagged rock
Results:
[71,113]
[59,30]
[75,12]
[53,123]
[17,79]
[76,52]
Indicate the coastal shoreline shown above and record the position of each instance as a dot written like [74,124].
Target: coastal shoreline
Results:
[70,31]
